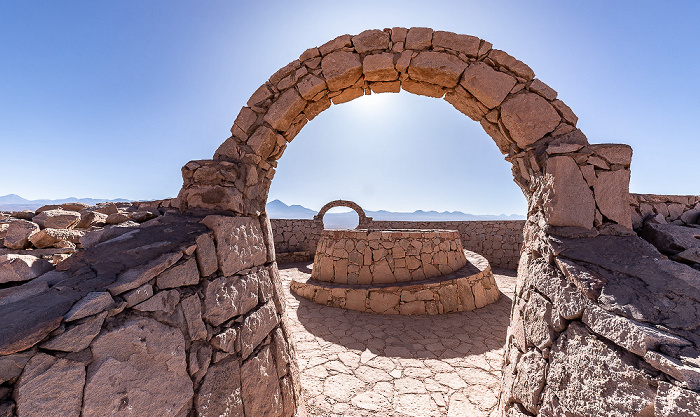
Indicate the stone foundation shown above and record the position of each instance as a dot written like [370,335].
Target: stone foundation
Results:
[466,289]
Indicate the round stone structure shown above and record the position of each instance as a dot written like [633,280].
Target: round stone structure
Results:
[366,256]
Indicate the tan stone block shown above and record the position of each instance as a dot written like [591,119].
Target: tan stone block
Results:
[468,45]
[348,94]
[402,274]
[343,41]
[611,192]
[437,68]
[448,298]
[365,275]
[381,302]
[614,153]
[412,307]
[310,85]
[404,61]
[340,268]
[385,87]
[382,273]
[542,89]
[502,59]
[356,300]
[315,108]
[398,34]
[379,67]
[371,40]
[572,203]
[245,120]
[309,54]
[528,117]
[263,141]
[465,296]
[283,111]
[423,89]
[341,69]
[260,95]
[492,130]
[465,103]
[565,111]
[284,72]
[419,38]
[486,84]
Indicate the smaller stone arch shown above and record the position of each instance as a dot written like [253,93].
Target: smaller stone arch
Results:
[364,220]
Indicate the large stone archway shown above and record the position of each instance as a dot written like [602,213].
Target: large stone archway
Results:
[529,124]
[583,299]
[363,220]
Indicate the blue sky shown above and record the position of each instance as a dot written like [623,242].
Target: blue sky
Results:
[109,99]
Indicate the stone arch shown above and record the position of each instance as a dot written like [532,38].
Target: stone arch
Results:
[364,220]
[529,124]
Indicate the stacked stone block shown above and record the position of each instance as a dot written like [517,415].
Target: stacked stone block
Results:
[174,317]
[673,209]
[386,256]
[295,239]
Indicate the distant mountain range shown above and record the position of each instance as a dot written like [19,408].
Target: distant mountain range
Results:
[278,210]
[13,202]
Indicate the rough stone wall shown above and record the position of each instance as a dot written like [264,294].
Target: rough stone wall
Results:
[498,241]
[174,317]
[676,209]
[602,324]
[367,256]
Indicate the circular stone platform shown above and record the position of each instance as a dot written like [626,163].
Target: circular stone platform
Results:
[470,287]
[365,256]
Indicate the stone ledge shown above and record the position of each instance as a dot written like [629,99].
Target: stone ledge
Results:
[467,289]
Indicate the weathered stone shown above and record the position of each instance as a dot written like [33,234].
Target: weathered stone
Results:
[107,208]
[20,292]
[227,297]
[537,319]
[283,111]
[18,234]
[592,378]
[226,340]
[263,141]
[260,386]
[436,68]
[18,268]
[379,67]
[613,153]
[117,218]
[689,376]
[91,304]
[529,380]
[136,277]
[206,255]
[164,301]
[468,45]
[348,94]
[77,337]
[542,89]
[91,218]
[310,86]
[179,275]
[486,84]
[691,216]
[341,69]
[673,401]
[57,219]
[341,42]
[47,238]
[382,302]
[690,255]
[141,293]
[528,117]
[502,59]
[199,360]
[463,101]
[611,192]
[11,366]
[239,242]
[670,238]
[419,38]
[192,309]
[370,40]
[140,365]
[220,392]
[50,387]
[573,203]
[423,89]
[256,327]
[565,111]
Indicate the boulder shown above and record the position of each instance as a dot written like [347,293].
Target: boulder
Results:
[47,238]
[18,234]
[18,268]
[611,192]
[139,364]
[92,218]
[116,218]
[57,219]
[528,117]
[74,206]
[50,386]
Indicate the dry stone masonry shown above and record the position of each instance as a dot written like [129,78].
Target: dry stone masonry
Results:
[602,323]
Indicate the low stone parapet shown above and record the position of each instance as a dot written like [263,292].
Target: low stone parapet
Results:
[386,256]
[471,287]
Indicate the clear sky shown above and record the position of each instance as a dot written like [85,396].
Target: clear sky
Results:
[108,99]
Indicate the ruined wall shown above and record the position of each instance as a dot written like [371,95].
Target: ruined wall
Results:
[681,209]
[498,241]
[171,318]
